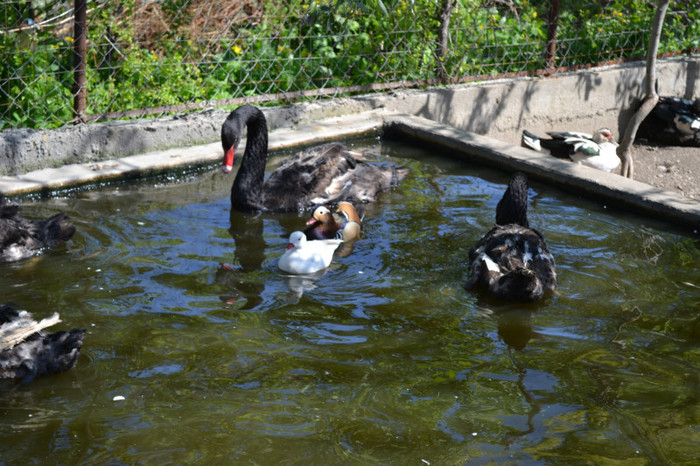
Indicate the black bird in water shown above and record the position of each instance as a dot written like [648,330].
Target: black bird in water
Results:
[21,238]
[512,260]
[28,351]
[324,174]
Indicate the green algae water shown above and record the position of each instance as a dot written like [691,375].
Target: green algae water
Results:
[382,359]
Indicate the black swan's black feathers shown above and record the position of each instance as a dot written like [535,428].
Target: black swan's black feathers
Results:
[323,174]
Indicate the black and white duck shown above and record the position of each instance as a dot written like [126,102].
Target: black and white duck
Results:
[21,238]
[673,121]
[597,150]
[324,174]
[28,351]
[512,260]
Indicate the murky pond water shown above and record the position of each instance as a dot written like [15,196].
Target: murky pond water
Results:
[382,359]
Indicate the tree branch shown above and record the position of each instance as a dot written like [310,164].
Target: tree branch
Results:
[650,97]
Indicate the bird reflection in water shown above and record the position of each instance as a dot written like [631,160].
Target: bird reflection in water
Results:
[249,254]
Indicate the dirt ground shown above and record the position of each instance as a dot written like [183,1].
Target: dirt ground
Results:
[672,168]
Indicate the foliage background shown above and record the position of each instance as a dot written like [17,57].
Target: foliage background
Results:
[147,57]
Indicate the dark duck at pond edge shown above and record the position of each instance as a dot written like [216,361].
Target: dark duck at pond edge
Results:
[21,238]
[512,260]
[28,351]
[674,121]
[320,175]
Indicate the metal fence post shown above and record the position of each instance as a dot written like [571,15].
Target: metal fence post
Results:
[79,51]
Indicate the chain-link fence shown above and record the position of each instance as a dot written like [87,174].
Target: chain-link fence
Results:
[135,58]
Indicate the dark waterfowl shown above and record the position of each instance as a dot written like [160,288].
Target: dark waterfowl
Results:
[28,351]
[21,238]
[673,121]
[512,260]
[597,150]
[325,174]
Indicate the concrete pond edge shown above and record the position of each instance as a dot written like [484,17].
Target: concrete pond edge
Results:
[620,192]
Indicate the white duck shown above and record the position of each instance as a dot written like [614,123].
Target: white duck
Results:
[323,174]
[512,260]
[303,257]
[598,150]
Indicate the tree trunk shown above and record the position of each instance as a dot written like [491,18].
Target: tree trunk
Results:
[551,52]
[443,35]
[650,97]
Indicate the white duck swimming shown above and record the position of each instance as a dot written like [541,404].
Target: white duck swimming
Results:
[324,174]
[512,260]
[598,150]
[303,257]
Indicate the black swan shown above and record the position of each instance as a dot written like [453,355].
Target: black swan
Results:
[512,260]
[21,238]
[27,351]
[674,121]
[597,150]
[324,174]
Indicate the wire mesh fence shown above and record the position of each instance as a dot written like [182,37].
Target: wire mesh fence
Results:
[151,57]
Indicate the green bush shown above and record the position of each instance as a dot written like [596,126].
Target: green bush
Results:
[298,46]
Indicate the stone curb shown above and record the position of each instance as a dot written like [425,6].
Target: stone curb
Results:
[608,187]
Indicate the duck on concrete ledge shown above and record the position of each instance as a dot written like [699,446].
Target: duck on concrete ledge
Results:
[674,121]
[597,150]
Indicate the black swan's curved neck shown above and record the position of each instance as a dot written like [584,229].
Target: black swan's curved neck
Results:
[512,208]
[247,192]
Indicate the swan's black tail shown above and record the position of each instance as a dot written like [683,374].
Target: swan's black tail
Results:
[56,229]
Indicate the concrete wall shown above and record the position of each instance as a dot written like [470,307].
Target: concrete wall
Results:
[581,101]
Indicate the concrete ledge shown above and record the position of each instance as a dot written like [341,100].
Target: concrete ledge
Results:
[610,188]
[583,100]
[618,191]
[74,175]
